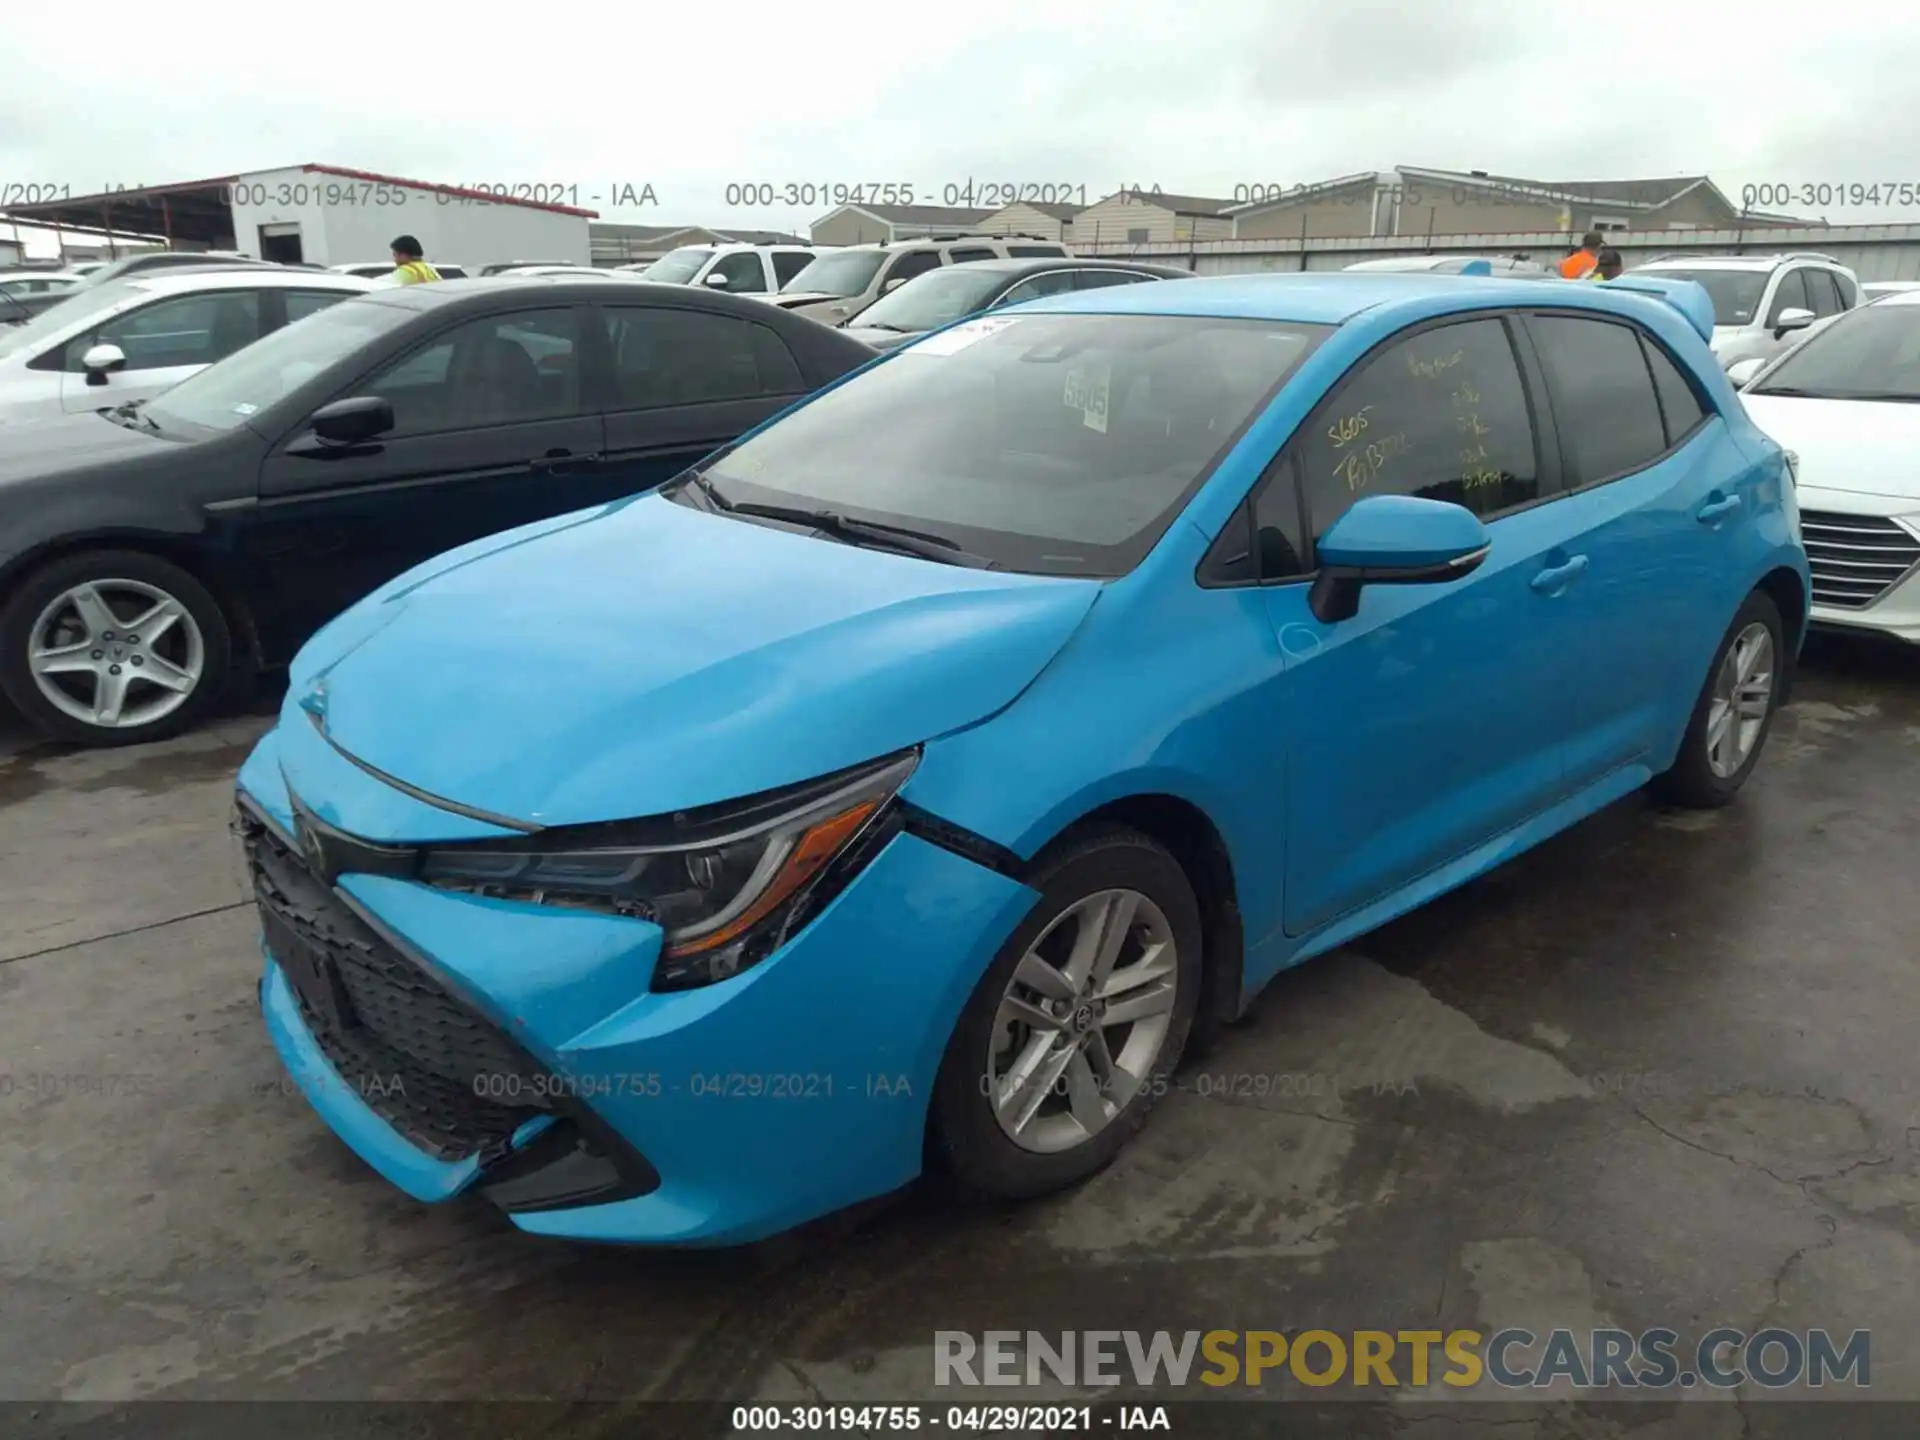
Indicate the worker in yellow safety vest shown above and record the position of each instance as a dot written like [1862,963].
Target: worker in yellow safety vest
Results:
[409,267]
[1609,266]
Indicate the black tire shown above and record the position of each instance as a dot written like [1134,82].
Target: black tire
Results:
[967,1137]
[40,588]
[1692,782]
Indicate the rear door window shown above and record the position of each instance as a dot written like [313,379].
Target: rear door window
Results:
[789,263]
[914,262]
[666,357]
[1603,396]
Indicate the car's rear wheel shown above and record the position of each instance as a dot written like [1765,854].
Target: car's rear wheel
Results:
[112,647]
[1074,1031]
[1734,712]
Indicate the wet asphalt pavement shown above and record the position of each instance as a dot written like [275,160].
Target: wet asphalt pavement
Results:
[1660,1072]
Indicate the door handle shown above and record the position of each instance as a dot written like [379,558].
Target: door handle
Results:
[1555,579]
[1715,511]
[560,459]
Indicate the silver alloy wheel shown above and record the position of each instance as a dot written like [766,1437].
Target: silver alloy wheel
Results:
[1083,1021]
[1742,695]
[116,653]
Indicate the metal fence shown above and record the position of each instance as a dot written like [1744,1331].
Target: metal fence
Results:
[1873,252]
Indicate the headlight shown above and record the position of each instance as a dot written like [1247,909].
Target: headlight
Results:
[728,883]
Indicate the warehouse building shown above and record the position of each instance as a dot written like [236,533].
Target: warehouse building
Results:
[328,215]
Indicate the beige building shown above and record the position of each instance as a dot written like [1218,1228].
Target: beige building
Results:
[1043,221]
[872,224]
[1349,206]
[1140,217]
[1417,202]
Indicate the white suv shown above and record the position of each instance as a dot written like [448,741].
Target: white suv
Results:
[843,282]
[1762,302]
[131,338]
[739,269]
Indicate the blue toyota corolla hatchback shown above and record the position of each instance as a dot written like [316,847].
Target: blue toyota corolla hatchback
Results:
[919,778]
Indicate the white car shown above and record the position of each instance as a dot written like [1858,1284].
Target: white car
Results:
[572,272]
[1846,403]
[379,269]
[131,338]
[35,282]
[740,269]
[1762,303]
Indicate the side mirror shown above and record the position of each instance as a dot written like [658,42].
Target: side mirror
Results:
[715,280]
[1394,540]
[101,361]
[1791,319]
[352,422]
[1741,371]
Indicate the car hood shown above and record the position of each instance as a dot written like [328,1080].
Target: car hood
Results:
[880,339]
[650,658]
[1867,447]
[33,447]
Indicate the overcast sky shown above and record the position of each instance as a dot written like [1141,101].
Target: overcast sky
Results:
[1196,99]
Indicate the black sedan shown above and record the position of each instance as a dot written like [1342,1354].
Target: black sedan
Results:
[953,292]
[146,552]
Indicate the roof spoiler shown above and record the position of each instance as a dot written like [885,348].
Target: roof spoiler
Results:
[1689,297]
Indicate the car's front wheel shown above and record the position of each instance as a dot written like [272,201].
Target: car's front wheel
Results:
[112,647]
[1074,1031]
[1734,711]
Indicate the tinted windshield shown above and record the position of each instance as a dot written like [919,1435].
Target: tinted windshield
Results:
[226,395]
[936,298]
[72,308]
[1735,293]
[847,273]
[677,267]
[1051,444]
[1871,353]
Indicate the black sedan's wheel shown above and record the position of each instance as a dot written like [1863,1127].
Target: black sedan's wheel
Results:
[1734,712]
[112,647]
[1076,1027]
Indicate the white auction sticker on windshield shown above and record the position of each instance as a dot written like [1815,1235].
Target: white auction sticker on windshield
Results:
[1086,391]
[961,336]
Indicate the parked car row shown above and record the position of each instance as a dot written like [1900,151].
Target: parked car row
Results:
[228,515]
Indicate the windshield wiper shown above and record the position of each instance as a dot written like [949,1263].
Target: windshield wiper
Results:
[923,543]
[859,322]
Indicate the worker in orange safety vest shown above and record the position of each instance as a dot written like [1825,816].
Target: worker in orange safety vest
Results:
[1584,261]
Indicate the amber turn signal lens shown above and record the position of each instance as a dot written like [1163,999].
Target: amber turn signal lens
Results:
[816,849]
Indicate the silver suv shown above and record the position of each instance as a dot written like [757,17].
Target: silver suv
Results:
[1762,303]
[843,282]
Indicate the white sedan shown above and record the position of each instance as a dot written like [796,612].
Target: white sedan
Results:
[1846,402]
[131,338]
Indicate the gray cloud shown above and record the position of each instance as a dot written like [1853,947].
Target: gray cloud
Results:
[1195,100]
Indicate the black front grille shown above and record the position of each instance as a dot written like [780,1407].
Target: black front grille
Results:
[1855,558]
[418,1056]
